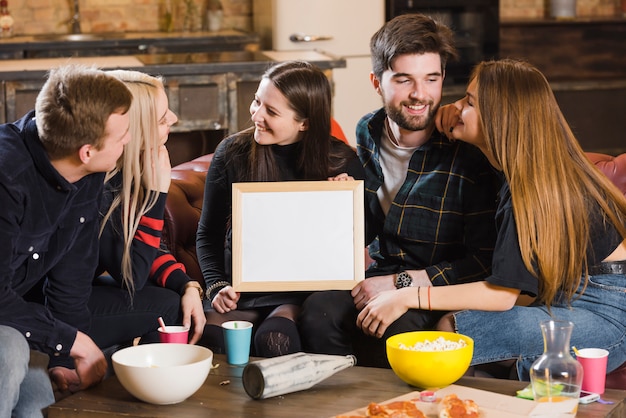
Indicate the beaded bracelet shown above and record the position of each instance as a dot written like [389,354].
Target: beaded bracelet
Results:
[214,286]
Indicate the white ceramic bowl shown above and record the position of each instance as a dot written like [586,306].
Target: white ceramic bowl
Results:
[162,373]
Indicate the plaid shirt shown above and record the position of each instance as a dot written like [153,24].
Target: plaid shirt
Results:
[442,218]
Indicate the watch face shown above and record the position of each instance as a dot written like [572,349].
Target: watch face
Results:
[403,279]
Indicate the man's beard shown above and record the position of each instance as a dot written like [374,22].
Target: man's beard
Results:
[413,123]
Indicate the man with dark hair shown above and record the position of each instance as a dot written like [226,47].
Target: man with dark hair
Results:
[52,165]
[429,202]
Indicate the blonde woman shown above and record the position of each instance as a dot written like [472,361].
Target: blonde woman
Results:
[561,229]
[147,280]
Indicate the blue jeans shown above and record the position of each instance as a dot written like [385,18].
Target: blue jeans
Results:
[25,389]
[599,317]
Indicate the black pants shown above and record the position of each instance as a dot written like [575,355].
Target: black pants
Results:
[116,319]
[327,325]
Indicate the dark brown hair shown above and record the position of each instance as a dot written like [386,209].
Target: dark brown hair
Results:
[410,34]
[308,93]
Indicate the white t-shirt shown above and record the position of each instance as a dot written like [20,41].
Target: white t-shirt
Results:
[394,162]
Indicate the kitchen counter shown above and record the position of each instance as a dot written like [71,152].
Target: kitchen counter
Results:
[201,63]
[58,45]
[209,91]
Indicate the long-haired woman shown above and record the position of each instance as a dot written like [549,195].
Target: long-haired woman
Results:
[144,280]
[290,140]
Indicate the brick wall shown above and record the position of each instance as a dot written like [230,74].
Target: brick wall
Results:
[539,8]
[50,16]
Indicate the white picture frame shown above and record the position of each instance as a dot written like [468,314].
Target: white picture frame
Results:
[297,235]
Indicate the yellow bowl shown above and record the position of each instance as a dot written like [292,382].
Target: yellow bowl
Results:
[429,369]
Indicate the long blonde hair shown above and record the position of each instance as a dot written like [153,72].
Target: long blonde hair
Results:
[554,187]
[135,197]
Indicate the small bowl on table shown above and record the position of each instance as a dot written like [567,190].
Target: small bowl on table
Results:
[432,369]
[162,374]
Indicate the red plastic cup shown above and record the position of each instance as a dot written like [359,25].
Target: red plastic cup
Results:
[594,362]
[174,334]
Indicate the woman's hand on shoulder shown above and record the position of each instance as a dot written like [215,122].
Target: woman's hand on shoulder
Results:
[225,300]
[341,177]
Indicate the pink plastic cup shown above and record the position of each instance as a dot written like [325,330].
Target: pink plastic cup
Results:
[594,362]
[174,334]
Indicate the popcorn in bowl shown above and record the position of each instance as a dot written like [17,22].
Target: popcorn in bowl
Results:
[429,359]
[439,344]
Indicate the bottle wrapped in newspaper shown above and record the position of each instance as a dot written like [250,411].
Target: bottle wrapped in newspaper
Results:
[291,373]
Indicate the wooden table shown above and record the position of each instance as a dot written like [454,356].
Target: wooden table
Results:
[347,390]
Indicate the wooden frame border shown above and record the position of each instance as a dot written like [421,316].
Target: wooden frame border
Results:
[318,270]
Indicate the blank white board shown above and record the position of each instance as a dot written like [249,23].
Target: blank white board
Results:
[305,235]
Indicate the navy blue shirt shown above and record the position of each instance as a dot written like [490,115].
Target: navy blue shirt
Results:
[48,239]
[151,260]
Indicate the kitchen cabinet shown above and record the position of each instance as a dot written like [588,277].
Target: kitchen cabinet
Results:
[242,90]
[208,108]
[210,92]
[19,98]
[199,101]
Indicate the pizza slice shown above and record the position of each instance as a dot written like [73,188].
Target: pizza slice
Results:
[453,407]
[397,409]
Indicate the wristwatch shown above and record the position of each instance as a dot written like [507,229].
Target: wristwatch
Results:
[193,283]
[403,279]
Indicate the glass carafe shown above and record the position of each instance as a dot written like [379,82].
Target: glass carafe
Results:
[556,376]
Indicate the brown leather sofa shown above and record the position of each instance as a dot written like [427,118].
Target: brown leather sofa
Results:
[613,167]
[182,212]
[184,203]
